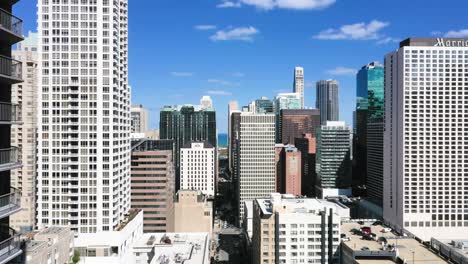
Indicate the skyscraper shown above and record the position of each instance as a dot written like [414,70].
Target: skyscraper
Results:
[198,167]
[153,182]
[256,153]
[186,123]
[23,135]
[83,159]
[298,86]
[425,138]
[296,122]
[327,100]
[232,107]
[10,73]
[288,169]
[306,144]
[285,101]
[140,119]
[264,105]
[206,102]
[333,164]
[368,148]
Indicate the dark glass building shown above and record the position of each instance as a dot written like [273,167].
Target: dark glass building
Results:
[297,122]
[369,125]
[184,124]
[264,105]
[327,101]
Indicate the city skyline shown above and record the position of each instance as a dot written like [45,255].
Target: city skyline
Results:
[216,67]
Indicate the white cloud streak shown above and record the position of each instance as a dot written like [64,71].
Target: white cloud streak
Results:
[278,4]
[342,71]
[222,82]
[457,34]
[182,74]
[240,33]
[219,92]
[358,31]
[205,27]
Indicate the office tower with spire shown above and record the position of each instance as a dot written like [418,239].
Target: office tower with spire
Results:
[425,139]
[84,124]
[298,86]
[23,135]
[327,100]
[10,73]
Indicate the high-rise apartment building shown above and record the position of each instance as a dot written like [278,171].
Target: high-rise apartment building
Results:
[191,212]
[327,101]
[83,146]
[296,122]
[10,73]
[425,138]
[198,167]
[306,144]
[153,180]
[233,106]
[288,169]
[333,164]
[234,144]
[287,229]
[298,86]
[23,135]
[140,119]
[287,101]
[187,123]
[368,139]
[256,153]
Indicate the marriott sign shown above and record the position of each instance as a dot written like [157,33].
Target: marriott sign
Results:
[441,42]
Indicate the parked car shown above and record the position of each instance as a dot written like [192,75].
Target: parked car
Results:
[377,223]
[365,248]
[366,230]
[386,230]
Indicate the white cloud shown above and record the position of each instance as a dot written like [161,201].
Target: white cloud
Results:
[457,34]
[286,4]
[205,27]
[182,74]
[229,4]
[387,40]
[358,31]
[218,92]
[240,33]
[222,82]
[342,71]
[238,74]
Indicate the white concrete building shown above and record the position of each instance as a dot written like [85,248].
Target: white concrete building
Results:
[83,115]
[206,102]
[256,157]
[298,86]
[296,230]
[140,118]
[198,167]
[23,135]
[168,248]
[426,147]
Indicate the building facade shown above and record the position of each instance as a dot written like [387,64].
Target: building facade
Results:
[264,105]
[234,129]
[140,119]
[368,139]
[186,123]
[51,245]
[198,167]
[10,73]
[307,144]
[83,146]
[288,169]
[23,135]
[298,86]
[192,212]
[287,101]
[297,122]
[256,157]
[152,185]
[425,143]
[232,106]
[296,230]
[333,163]
[328,100]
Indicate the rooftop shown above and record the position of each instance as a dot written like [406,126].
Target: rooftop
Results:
[405,246]
[169,248]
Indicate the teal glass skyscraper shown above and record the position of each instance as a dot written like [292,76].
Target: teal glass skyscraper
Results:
[368,140]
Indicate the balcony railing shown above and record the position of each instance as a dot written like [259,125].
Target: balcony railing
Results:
[10,203]
[10,68]
[10,244]
[11,23]
[9,113]
[9,159]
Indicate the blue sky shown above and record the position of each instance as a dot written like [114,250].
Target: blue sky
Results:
[243,49]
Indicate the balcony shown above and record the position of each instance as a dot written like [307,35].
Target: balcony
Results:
[9,159]
[10,244]
[9,113]
[11,28]
[10,70]
[10,203]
